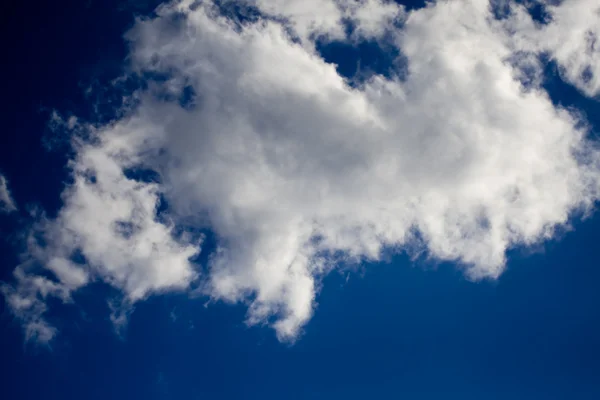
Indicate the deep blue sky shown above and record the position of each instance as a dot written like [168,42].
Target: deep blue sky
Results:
[394,331]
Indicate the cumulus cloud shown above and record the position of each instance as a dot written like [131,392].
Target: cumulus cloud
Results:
[7,204]
[251,135]
[571,36]
[370,18]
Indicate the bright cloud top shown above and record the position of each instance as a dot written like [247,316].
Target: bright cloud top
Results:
[293,169]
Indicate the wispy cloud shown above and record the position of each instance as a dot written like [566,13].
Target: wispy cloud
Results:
[293,169]
[7,204]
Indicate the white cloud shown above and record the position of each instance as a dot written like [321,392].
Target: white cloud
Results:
[371,18]
[290,167]
[26,298]
[571,38]
[374,17]
[303,18]
[7,204]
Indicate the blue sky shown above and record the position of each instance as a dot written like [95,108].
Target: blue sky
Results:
[366,305]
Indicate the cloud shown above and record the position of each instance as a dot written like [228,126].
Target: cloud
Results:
[7,204]
[251,135]
[26,298]
[571,38]
[370,18]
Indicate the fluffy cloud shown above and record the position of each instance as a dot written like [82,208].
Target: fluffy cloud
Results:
[7,204]
[293,169]
[570,36]
[370,18]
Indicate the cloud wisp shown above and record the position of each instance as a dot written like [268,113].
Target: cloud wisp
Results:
[7,204]
[251,135]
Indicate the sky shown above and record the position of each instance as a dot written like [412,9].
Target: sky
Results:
[292,199]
